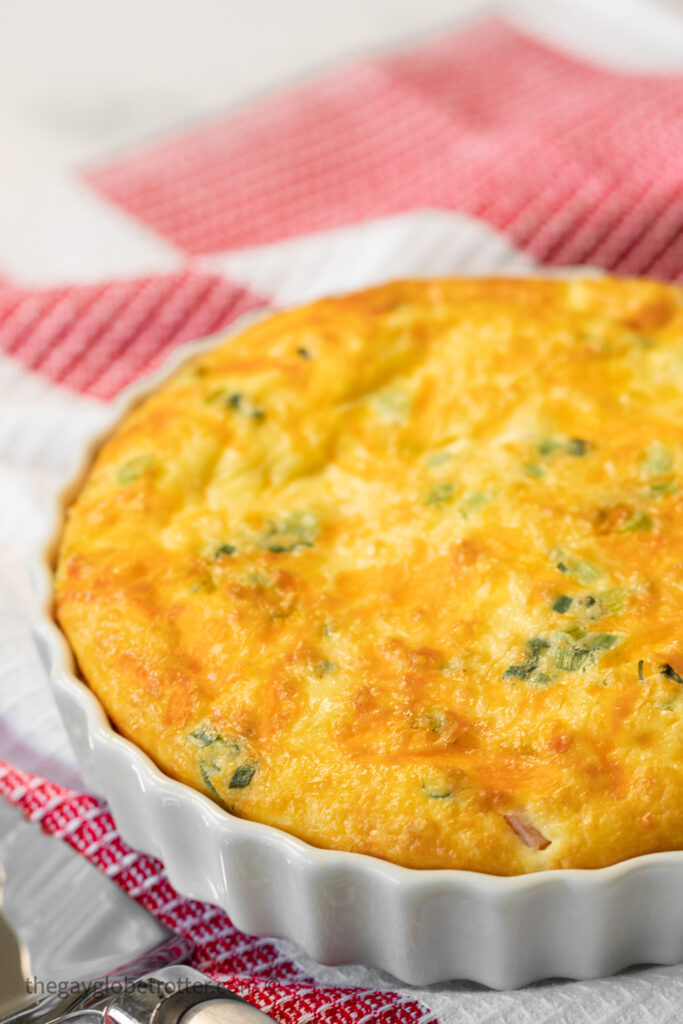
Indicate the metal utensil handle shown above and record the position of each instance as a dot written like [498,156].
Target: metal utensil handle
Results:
[92,995]
[170,995]
[164,997]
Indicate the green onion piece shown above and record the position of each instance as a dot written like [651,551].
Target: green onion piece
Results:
[134,468]
[392,403]
[532,655]
[577,446]
[325,667]
[536,646]
[612,601]
[638,522]
[213,396]
[242,776]
[473,503]
[440,494]
[438,458]
[585,572]
[572,446]
[662,488]
[207,769]
[518,671]
[562,604]
[224,549]
[670,672]
[573,656]
[238,402]
[656,461]
[299,530]
[602,641]
[437,789]
[277,547]
[569,659]
[205,735]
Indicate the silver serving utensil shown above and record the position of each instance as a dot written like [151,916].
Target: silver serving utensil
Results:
[74,947]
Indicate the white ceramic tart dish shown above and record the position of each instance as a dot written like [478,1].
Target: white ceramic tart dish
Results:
[421,925]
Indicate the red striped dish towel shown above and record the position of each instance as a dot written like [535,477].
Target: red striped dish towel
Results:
[522,154]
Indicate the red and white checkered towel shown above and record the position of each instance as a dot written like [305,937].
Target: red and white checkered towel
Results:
[482,149]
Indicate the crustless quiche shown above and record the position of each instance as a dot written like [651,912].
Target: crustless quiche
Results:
[401,573]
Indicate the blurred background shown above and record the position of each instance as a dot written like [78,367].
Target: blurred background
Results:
[82,81]
[80,75]
[83,78]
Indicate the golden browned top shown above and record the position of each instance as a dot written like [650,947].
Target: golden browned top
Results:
[401,572]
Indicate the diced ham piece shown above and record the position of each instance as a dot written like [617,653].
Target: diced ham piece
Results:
[528,833]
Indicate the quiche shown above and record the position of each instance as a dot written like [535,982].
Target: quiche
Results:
[401,572]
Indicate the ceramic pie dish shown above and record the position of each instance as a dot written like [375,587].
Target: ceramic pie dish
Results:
[421,925]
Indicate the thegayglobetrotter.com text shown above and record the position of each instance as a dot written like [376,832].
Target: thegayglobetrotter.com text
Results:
[111,987]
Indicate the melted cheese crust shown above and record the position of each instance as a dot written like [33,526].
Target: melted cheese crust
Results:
[401,572]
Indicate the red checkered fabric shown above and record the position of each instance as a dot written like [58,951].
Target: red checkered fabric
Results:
[98,338]
[254,968]
[575,163]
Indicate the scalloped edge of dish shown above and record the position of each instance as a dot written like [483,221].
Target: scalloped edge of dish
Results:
[422,926]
